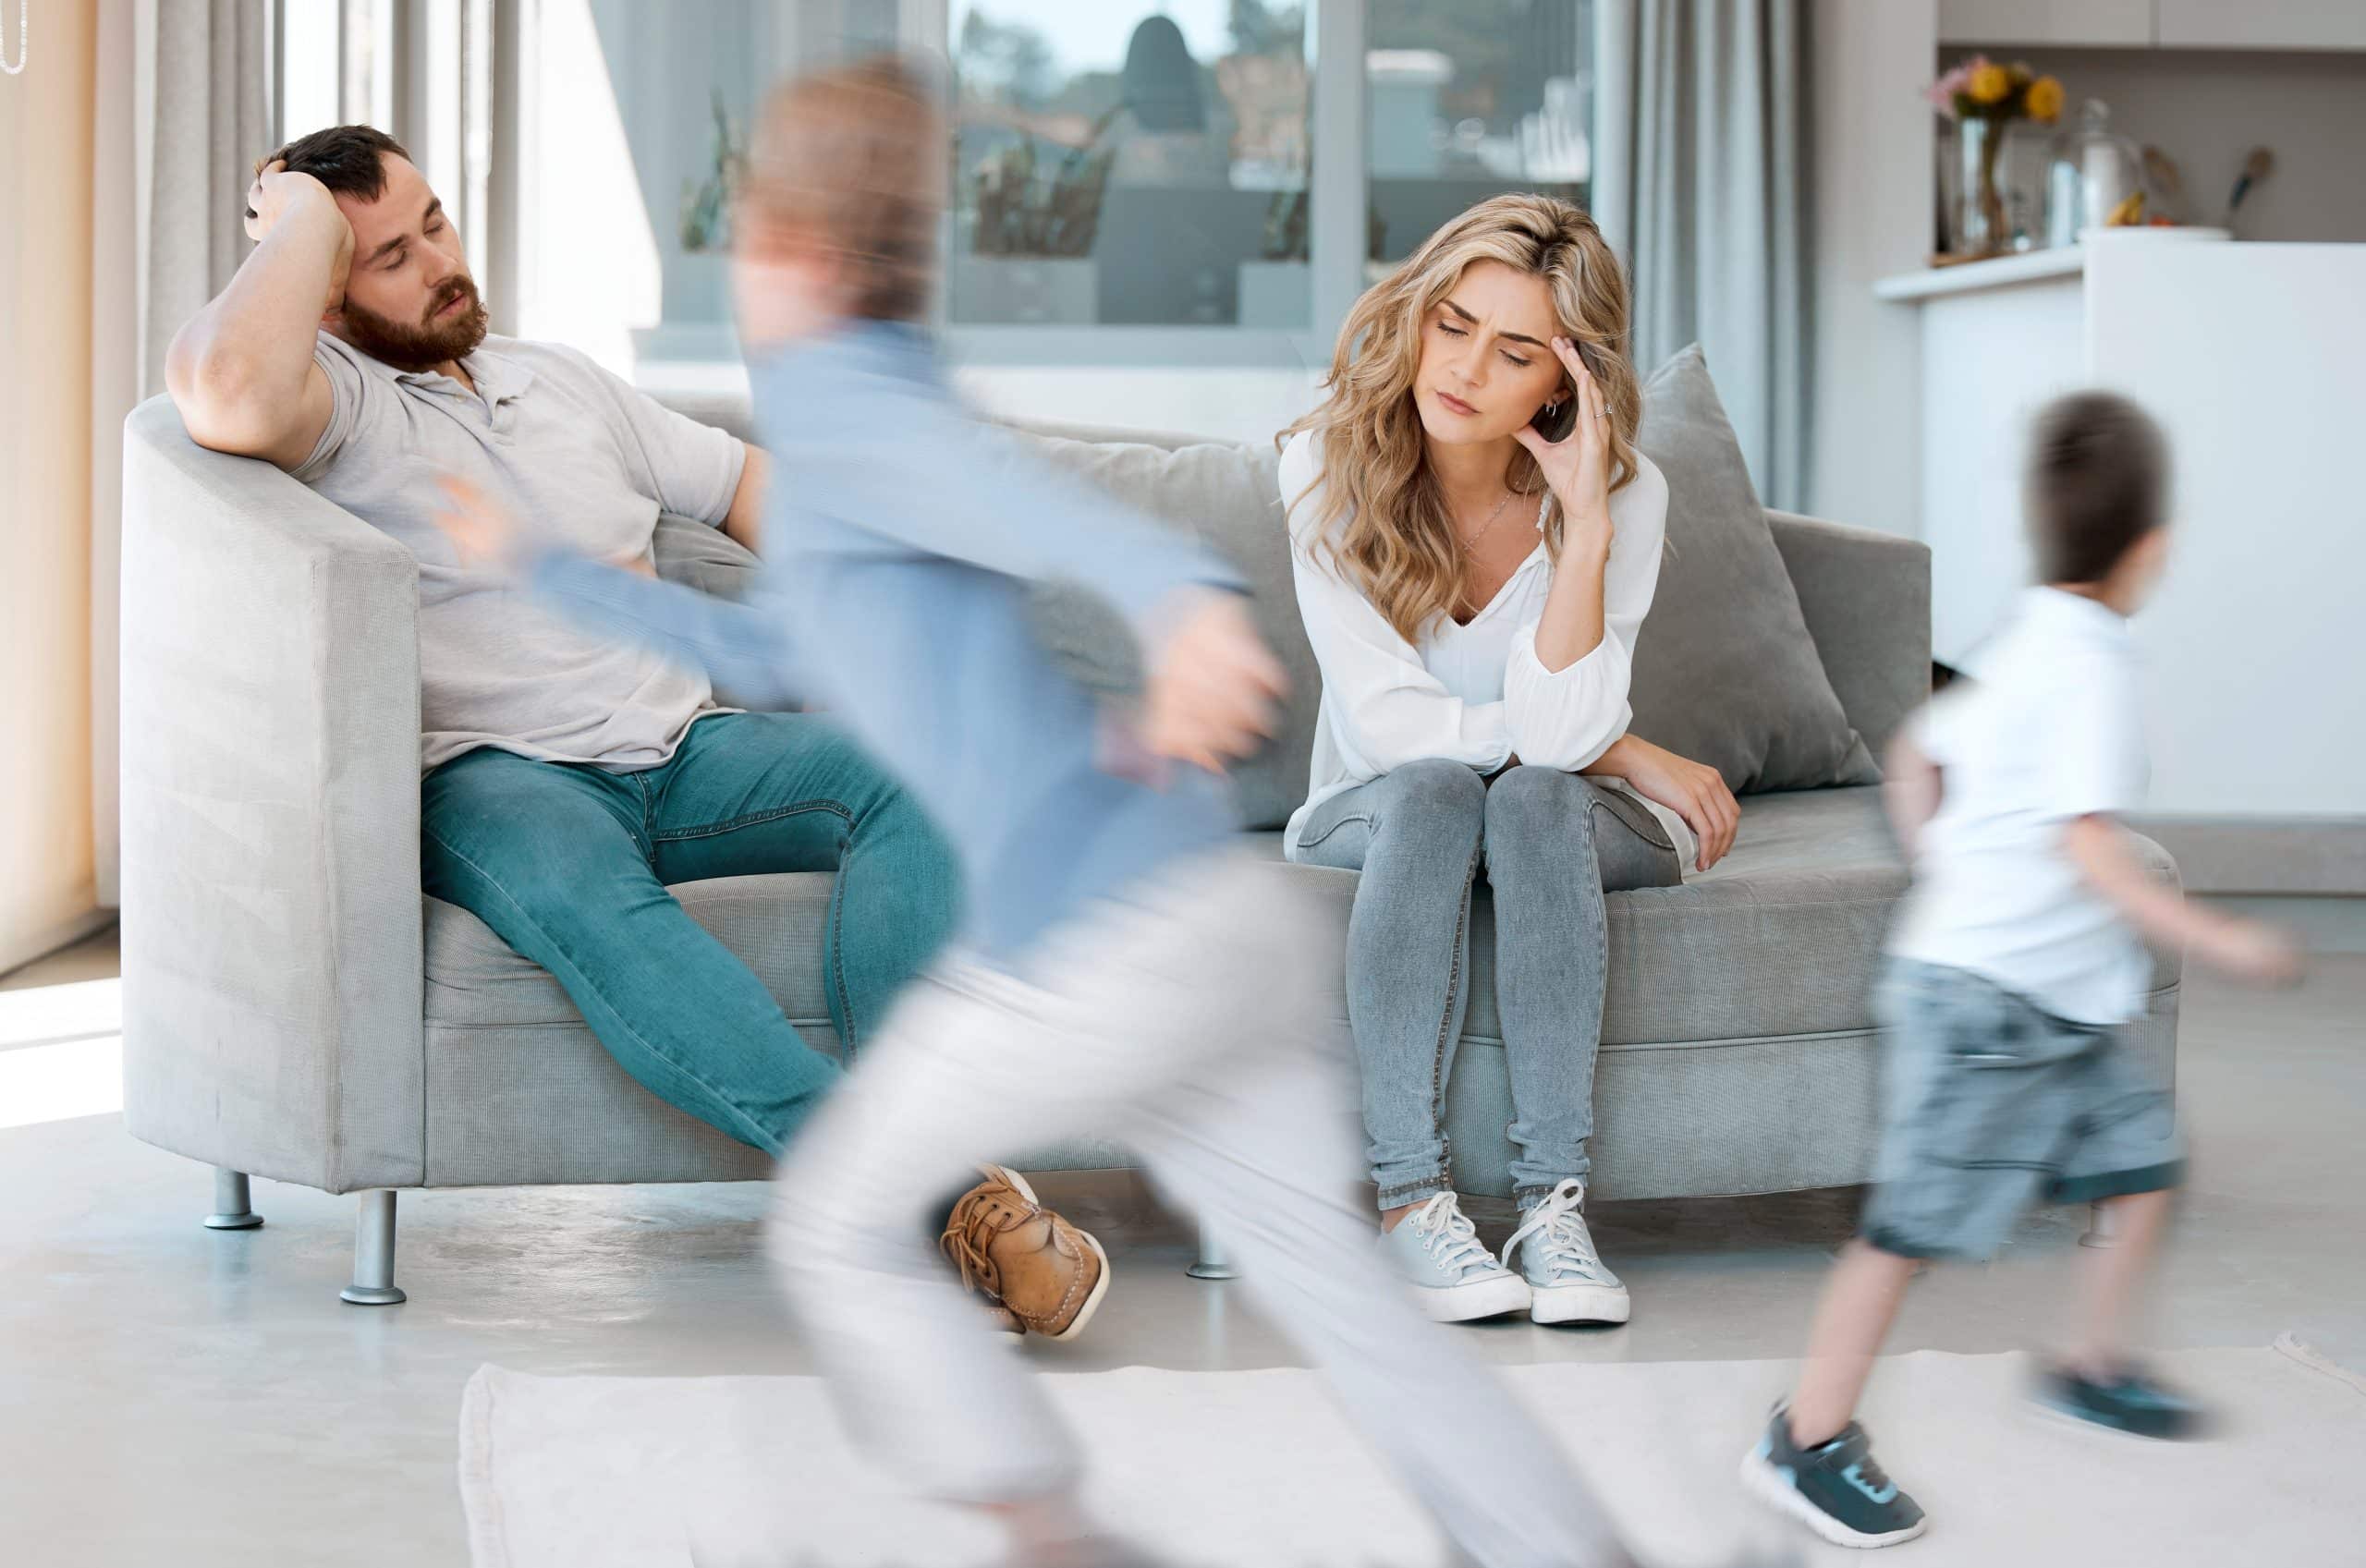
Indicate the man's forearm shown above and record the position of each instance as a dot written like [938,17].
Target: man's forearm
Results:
[252,347]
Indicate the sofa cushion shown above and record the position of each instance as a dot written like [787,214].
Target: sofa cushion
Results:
[1781,936]
[1229,498]
[520,1092]
[1725,670]
[1738,1015]
[772,923]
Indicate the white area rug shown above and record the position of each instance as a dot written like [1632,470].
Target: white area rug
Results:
[1256,1467]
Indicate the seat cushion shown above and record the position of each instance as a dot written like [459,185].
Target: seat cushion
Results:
[771,923]
[1738,1023]
[1782,937]
[519,1092]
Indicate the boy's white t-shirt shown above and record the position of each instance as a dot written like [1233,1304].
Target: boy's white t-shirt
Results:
[2046,730]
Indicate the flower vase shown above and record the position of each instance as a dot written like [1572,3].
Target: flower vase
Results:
[1979,206]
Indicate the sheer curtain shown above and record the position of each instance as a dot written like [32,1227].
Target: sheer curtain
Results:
[182,110]
[1700,183]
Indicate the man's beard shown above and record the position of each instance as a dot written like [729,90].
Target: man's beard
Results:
[423,347]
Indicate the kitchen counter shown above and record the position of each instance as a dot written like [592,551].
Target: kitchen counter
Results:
[2029,266]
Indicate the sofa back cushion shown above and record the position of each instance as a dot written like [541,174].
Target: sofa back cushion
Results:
[1228,497]
[1725,672]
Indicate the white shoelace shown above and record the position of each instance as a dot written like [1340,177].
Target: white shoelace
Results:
[1449,1236]
[1559,1226]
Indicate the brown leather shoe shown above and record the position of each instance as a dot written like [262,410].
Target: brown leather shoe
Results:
[1044,1270]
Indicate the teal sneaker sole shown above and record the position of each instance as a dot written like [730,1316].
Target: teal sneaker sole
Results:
[1764,1481]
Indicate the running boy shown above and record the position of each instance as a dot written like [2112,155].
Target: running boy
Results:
[2015,964]
[1124,973]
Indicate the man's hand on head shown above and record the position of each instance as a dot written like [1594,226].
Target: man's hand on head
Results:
[276,192]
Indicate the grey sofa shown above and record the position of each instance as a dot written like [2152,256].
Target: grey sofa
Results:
[295,1008]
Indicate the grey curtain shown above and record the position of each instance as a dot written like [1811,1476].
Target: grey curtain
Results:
[183,109]
[1700,182]
[206,68]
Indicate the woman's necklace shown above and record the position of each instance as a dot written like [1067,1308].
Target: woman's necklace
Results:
[1470,545]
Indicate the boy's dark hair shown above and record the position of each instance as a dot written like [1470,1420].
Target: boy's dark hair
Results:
[349,160]
[2098,482]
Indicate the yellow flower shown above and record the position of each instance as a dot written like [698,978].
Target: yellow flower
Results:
[2045,100]
[1988,84]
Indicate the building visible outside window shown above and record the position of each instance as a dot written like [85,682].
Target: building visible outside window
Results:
[1121,165]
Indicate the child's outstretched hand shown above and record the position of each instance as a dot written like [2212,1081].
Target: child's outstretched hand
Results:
[1212,687]
[482,533]
[2250,950]
[2100,848]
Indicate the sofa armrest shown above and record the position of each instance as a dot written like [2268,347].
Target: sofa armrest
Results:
[271,986]
[1867,598]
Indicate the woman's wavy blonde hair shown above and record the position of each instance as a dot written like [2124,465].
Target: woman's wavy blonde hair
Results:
[1397,546]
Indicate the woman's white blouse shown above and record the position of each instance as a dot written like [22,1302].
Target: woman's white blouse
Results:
[1475,694]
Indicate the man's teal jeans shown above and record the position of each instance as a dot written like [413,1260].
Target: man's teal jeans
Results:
[569,863]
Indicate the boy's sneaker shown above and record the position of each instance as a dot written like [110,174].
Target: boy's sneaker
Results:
[2130,1403]
[1046,1275]
[1835,1489]
[1567,1281]
[1437,1251]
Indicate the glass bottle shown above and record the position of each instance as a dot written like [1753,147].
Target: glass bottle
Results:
[2090,171]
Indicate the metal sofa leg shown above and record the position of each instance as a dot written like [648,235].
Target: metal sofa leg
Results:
[233,1208]
[373,1252]
[1214,1263]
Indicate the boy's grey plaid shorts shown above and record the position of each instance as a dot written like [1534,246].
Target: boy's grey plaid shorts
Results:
[1990,1103]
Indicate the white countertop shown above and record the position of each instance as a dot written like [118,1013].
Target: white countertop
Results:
[2032,266]
[2028,267]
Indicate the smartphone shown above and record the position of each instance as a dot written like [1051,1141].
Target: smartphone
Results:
[1557,424]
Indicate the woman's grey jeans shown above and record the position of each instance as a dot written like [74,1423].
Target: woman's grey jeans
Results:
[1550,843]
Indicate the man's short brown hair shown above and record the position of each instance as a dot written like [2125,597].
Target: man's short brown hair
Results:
[349,160]
[2098,482]
[855,155]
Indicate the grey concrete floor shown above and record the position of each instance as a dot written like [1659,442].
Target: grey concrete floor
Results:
[170,1394]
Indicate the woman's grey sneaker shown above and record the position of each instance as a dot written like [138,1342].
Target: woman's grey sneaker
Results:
[2131,1404]
[1566,1280]
[1835,1489]
[1455,1278]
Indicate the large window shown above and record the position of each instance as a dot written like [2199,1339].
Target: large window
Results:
[1118,164]
[1468,100]
[420,69]
[1203,182]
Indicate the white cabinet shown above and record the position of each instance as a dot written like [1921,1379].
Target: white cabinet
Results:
[2167,24]
[2260,24]
[2252,645]
[2109,22]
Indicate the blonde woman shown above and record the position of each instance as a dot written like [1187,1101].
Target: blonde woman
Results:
[1477,541]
